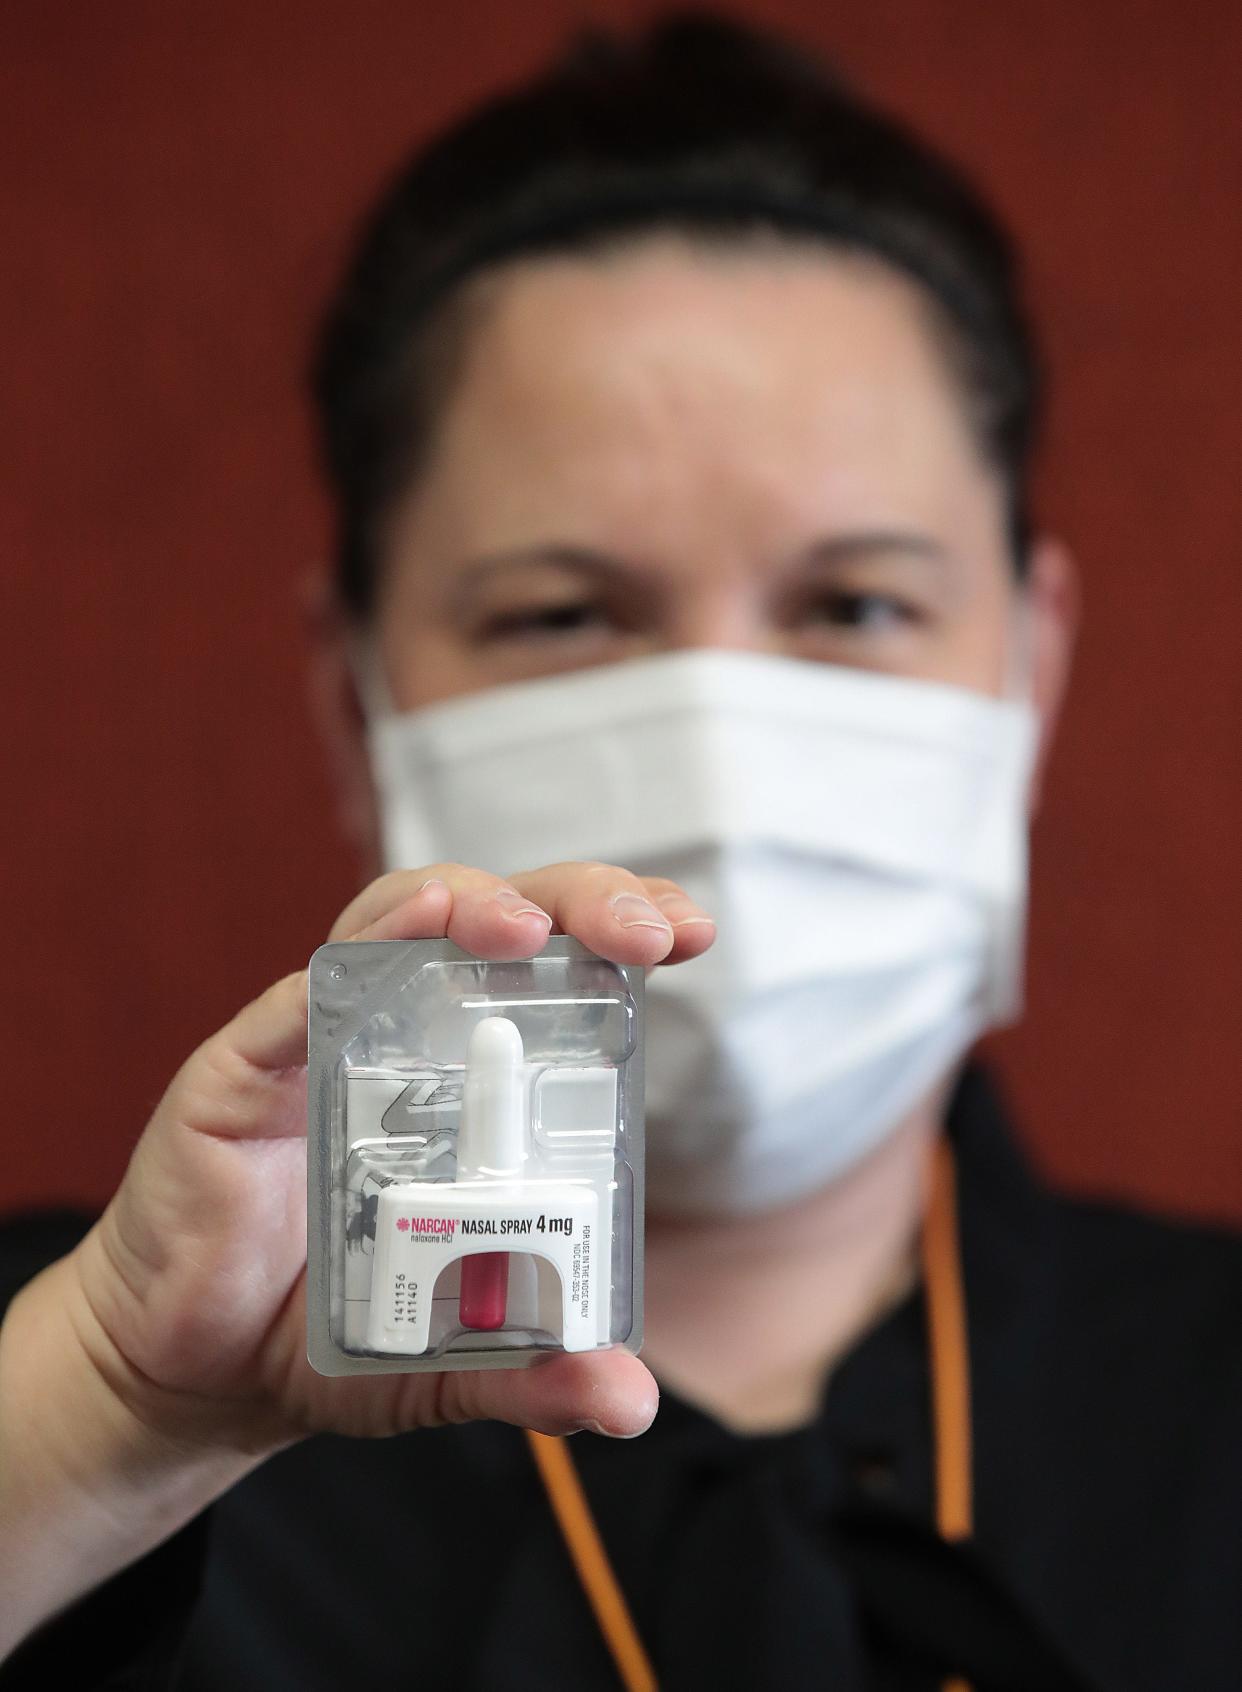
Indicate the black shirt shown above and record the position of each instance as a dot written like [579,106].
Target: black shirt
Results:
[1106,1355]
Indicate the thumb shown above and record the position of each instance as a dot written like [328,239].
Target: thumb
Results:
[607,1392]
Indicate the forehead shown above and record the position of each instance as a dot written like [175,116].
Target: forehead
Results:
[669,381]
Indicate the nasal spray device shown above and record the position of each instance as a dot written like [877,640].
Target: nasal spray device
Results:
[474,1171]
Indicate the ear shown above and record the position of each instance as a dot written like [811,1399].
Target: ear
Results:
[1052,605]
[339,716]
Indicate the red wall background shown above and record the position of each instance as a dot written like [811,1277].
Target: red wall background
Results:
[177,183]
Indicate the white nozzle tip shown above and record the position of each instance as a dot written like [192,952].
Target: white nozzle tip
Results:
[495,1043]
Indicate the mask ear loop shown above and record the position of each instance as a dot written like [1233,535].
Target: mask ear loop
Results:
[1018,686]
[1017,695]
[378,708]
[367,668]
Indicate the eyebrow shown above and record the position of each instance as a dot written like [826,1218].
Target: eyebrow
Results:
[850,547]
[569,556]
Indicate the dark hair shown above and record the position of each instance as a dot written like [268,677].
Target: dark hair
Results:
[701,125]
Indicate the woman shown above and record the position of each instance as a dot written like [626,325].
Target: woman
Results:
[677,388]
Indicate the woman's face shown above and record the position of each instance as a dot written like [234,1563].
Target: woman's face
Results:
[674,446]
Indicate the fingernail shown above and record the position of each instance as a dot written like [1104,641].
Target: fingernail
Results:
[611,1433]
[671,902]
[509,897]
[633,911]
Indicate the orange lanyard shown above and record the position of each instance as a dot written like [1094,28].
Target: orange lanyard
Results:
[950,1395]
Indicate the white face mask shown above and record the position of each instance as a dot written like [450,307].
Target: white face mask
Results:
[860,840]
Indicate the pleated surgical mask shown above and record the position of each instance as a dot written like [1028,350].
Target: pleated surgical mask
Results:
[860,840]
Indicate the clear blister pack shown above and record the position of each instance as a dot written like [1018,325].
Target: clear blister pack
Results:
[474,1157]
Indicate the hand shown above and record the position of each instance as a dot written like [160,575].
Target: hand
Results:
[192,1286]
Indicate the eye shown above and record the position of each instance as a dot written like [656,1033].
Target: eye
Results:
[868,612]
[566,617]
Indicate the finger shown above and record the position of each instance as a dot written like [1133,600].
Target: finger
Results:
[606,907]
[609,1392]
[609,909]
[475,909]
[693,930]
[270,1032]
[383,896]
[379,911]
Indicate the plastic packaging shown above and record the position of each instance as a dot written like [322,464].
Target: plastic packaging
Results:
[474,1158]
